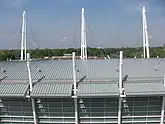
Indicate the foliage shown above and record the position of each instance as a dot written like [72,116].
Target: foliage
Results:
[99,52]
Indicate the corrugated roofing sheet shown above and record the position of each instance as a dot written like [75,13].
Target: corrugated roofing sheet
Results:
[13,89]
[144,88]
[144,68]
[14,70]
[92,69]
[97,69]
[52,69]
[52,90]
[97,89]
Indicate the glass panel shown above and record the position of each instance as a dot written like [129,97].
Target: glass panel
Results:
[135,108]
[139,119]
[57,110]
[17,110]
[98,110]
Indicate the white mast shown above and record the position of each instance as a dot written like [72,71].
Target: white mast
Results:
[144,44]
[23,40]
[75,88]
[120,87]
[25,44]
[29,72]
[83,37]
[23,28]
[31,87]
[145,34]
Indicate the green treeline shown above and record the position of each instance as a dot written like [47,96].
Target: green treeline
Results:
[99,52]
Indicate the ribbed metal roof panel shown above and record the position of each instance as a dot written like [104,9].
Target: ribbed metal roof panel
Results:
[97,69]
[52,90]
[144,88]
[14,70]
[13,89]
[88,89]
[144,68]
[51,69]
[92,69]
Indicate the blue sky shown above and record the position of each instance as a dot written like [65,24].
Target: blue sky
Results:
[56,23]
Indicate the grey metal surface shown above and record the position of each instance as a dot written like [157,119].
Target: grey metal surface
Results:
[97,89]
[60,71]
[144,88]
[52,70]
[92,69]
[13,89]
[14,70]
[52,90]
[97,69]
[144,69]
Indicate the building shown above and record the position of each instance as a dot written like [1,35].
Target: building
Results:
[51,97]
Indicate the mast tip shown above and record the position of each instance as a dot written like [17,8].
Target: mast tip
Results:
[24,12]
[82,10]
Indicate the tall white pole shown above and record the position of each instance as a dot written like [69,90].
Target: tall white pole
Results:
[144,39]
[75,87]
[31,86]
[146,34]
[74,73]
[29,72]
[83,37]
[25,37]
[85,40]
[120,87]
[120,71]
[85,43]
[82,33]
[23,34]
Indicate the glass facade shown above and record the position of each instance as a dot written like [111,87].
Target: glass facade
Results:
[16,110]
[135,110]
[55,111]
[98,110]
[142,110]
